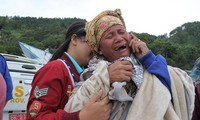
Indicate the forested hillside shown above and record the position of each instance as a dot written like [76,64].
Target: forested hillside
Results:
[181,47]
[39,32]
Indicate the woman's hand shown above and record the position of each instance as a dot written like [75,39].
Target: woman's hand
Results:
[96,109]
[138,47]
[120,71]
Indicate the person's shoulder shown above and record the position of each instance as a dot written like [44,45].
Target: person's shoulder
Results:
[2,57]
[53,64]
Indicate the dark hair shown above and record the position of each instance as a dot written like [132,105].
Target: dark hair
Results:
[75,28]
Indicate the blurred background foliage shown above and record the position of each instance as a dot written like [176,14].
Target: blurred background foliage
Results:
[181,47]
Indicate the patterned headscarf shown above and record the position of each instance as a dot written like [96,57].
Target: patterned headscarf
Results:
[95,28]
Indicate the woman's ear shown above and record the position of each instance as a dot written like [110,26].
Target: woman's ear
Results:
[74,39]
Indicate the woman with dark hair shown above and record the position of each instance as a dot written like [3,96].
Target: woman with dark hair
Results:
[53,83]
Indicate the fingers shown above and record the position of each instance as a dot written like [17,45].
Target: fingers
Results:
[126,70]
[132,35]
[126,65]
[134,44]
[109,110]
[126,62]
[120,71]
[105,100]
[96,97]
[139,48]
[107,106]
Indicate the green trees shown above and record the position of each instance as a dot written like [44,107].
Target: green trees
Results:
[39,32]
[181,48]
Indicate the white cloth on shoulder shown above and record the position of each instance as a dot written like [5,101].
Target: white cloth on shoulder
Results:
[152,101]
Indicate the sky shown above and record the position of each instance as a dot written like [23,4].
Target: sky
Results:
[156,17]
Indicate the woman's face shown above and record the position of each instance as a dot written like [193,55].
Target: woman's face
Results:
[114,43]
[84,52]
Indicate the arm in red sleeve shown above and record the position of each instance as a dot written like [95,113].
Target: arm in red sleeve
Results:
[49,94]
